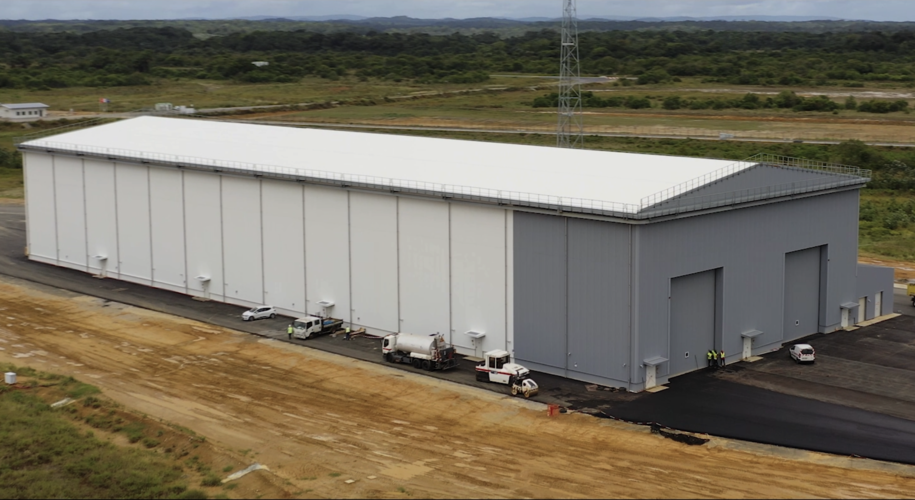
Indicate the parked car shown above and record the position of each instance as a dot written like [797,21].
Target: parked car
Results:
[802,353]
[259,312]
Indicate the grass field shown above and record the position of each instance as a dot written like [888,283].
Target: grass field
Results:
[56,453]
[506,105]
[511,110]
[218,93]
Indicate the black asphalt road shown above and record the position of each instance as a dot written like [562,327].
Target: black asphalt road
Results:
[697,402]
[702,403]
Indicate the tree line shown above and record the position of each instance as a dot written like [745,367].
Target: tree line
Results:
[137,56]
[784,100]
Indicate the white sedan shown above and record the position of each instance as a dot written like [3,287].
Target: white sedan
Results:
[802,353]
[260,312]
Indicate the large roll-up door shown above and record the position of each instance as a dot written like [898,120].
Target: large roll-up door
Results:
[802,293]
[692,321]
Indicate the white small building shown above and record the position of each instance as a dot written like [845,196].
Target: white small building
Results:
[24,112]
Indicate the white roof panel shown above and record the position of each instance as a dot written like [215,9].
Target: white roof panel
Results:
[623,178]
[24,105]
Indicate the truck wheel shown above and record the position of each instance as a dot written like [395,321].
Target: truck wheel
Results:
[417,363]
[514,390]
[427,365]
[527,394]
[481,376]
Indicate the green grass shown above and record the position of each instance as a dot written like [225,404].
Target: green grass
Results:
[220,93]
[46,456]
[887,227]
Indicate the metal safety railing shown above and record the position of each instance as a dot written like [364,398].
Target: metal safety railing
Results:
[668,202]
[740,166]
[706,202]
[63,129]
[455,191]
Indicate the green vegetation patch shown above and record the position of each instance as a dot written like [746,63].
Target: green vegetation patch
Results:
[46,456]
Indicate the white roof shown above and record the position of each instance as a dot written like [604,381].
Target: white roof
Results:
[25,105]
[576,177]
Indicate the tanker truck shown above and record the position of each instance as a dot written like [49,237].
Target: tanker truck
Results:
[429,352]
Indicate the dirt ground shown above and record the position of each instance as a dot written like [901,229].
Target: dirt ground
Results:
[329,426]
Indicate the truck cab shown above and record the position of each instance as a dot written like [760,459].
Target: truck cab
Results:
[305,328]
[497,367]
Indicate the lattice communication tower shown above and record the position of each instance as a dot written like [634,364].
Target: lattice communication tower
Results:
[570,133]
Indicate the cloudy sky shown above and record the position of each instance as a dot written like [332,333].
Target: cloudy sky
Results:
[880,10]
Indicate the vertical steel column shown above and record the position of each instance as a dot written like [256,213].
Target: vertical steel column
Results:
[399,298]
[117,218]
[56,231]
[184,231]
[260,186]
[85,218]
[152,259]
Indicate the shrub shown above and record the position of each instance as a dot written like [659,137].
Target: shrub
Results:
[211,480]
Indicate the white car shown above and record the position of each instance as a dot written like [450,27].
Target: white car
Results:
[260,312]
[802,353]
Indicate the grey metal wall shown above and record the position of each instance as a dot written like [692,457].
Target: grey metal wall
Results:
[692,321]
[759,176]
[749,244]
[599,275]
[874,279]
[571,296]
[802,293]
[540,289]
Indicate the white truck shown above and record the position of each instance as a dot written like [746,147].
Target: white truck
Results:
[497,367]
[429,352]
[312,326]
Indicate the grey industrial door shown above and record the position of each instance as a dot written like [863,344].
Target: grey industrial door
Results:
[802,293]
[692,321]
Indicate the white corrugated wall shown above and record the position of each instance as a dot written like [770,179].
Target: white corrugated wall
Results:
[388,263]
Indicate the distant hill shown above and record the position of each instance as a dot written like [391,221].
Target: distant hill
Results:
[503,27]
[332,17]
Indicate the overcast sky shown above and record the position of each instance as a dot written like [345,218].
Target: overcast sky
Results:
[879,10]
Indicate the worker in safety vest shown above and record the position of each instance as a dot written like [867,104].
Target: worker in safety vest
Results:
[721,358]
[289,331]
[714,358]
[708,356]
[346,335]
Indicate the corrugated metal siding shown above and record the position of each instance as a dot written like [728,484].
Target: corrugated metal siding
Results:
[692,321]
[802,293]
[540,289]
[750,245]
[872,280]
[598,281]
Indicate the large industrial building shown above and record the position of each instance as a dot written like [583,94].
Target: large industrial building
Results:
[617,269]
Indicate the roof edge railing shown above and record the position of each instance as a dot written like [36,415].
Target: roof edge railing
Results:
[91,122]
[739,166]
[630,211]
[448,191]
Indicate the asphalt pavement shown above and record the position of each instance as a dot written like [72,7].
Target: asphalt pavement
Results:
[702,403]
[698,402]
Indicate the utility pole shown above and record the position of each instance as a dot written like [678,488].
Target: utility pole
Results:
[570,132]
